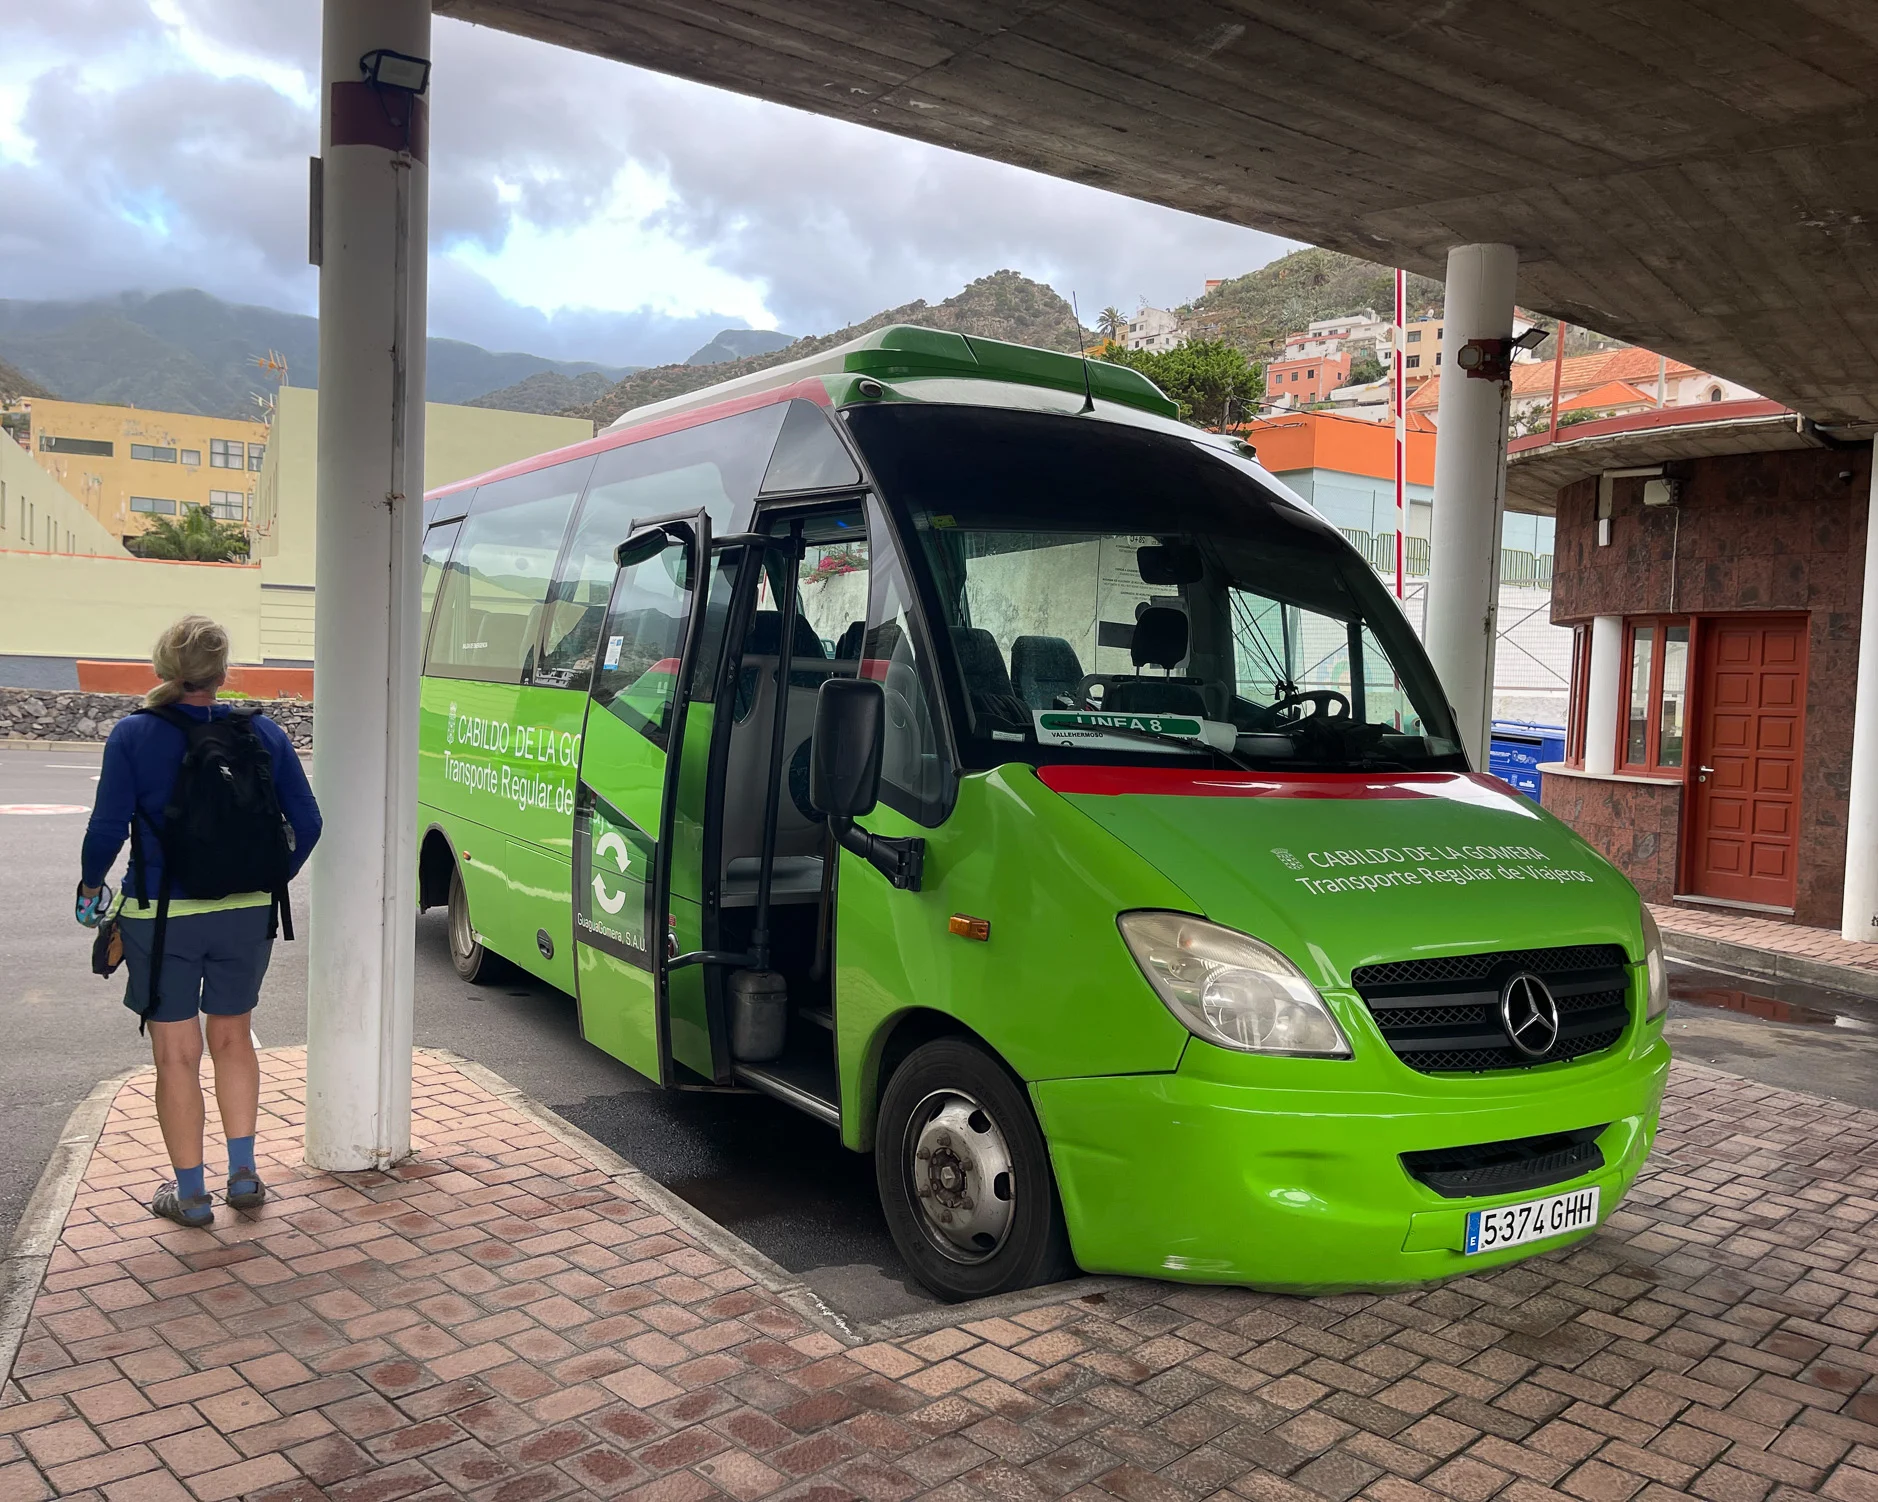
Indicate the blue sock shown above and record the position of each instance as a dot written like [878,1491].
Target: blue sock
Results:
[189,1183]
[240,1154]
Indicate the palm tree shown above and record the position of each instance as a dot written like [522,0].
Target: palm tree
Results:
[1110,322]
[196,538]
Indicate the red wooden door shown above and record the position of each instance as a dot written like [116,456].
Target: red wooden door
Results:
[1745,798]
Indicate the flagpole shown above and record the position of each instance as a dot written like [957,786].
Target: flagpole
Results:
[1401,432]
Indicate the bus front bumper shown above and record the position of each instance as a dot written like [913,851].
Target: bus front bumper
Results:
[1228,1172]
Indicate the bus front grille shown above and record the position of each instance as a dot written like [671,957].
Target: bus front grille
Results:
[1442,1016]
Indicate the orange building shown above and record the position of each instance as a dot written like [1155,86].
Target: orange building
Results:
[1305,382]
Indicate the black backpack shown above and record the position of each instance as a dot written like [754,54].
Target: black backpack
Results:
[223,831]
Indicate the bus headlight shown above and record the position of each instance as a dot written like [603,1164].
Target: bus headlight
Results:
[1656,1001]
[1230,989]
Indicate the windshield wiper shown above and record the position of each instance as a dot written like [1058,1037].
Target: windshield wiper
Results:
[1184,741]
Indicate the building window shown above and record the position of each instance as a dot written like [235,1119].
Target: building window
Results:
[1654,724]
[256,453]
[1437,355]
[228,505]
[1575,698]
[1413,362]
[1714,393]
[151,506]
[192,456]
[1414,336]
[227,453]
[92,448]
[153,454]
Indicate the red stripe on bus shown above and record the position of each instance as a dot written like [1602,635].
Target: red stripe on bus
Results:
[1182,783]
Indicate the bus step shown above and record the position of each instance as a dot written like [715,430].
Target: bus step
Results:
[820,1016]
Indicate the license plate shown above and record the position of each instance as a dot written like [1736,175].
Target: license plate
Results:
[1534,1220]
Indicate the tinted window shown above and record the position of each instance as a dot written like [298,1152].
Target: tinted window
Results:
[490,603]
[1100,590]
[437,544]
[808,454]
[643,638]
[713,468]
[915,773]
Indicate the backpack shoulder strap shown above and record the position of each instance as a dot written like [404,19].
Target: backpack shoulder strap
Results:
[170,715]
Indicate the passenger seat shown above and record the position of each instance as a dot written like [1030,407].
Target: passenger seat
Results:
[1042,667]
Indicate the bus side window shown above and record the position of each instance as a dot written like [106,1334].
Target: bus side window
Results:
[713,467]
[490,602]
[642,639]
[915,772]
[437,544]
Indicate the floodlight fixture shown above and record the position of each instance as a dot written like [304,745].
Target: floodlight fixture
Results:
[383,68]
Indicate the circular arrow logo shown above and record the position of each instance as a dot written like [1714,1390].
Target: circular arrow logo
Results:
[611,843]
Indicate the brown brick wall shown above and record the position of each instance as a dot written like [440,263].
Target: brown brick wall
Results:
[1782,531]
[1633,825]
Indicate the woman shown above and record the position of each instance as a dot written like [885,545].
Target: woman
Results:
[215,952]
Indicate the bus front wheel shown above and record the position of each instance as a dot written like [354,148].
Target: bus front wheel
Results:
[473,962]
[964,1175]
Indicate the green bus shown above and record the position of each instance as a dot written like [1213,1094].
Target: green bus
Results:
[939,736]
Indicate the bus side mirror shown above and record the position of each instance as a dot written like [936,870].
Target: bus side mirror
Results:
[844,757]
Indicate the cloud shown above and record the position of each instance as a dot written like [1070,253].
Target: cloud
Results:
[163,143]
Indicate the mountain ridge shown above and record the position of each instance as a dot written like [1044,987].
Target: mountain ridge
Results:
[1003,305]
[190,351]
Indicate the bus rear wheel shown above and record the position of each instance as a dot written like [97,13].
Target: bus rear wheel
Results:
[964,1175]
[473,962]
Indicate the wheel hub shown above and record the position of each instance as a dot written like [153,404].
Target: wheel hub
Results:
[959,1167]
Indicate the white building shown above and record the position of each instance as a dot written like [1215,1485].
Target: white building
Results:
[1155,329]
[1355,334]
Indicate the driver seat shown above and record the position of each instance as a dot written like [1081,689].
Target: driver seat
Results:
[1160,640]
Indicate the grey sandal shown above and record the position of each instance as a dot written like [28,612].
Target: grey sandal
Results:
[245,1190]
[197,1214]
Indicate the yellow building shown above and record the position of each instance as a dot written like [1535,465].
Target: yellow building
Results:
[1421,350]
[38,515]
[458,442]
[129,466]
[56,611]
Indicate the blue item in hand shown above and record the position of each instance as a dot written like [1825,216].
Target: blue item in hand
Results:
[91,911]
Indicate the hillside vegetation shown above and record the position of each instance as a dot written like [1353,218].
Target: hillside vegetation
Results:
[15,385]
[1254,312]
[1003,305]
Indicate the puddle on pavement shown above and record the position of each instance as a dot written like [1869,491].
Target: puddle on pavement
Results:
[1763,1008]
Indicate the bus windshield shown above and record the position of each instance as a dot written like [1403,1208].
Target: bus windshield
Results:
[1110,591]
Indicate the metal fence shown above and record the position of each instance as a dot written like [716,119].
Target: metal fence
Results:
[1517,567]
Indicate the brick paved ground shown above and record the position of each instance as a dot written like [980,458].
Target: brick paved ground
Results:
[1823,944]
[501,1320]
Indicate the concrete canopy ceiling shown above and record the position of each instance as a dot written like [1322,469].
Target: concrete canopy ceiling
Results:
[1696,176]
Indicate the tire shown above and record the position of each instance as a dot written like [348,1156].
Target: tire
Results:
[955,1124]
[473,962]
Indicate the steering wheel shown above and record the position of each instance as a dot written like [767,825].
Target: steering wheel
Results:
[1322,700]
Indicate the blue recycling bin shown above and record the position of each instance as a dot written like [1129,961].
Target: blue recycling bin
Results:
[1517,749]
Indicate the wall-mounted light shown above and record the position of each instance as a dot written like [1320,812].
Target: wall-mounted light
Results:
[386,69]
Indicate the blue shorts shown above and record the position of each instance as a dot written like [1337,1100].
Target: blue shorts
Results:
[213,963]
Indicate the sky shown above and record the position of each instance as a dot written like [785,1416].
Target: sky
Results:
[579,208]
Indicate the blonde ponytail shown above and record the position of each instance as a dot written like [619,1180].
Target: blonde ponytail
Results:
[190,656]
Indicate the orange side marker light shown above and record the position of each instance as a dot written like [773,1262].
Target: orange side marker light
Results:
[968,927]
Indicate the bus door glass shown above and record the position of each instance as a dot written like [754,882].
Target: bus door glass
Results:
[625,803]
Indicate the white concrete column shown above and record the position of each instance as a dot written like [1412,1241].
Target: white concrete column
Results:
[1470,491]
[1858,921]
[1603,691]
[368,539]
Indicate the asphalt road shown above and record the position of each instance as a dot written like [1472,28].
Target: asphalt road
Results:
[772,1175]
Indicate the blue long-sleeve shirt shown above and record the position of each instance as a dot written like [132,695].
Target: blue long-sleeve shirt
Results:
[141,760]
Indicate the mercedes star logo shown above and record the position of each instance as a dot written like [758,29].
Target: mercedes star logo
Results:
[1529,1014]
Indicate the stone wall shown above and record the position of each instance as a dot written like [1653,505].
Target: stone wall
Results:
[1634,825]
[36,714]
[1782,531]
